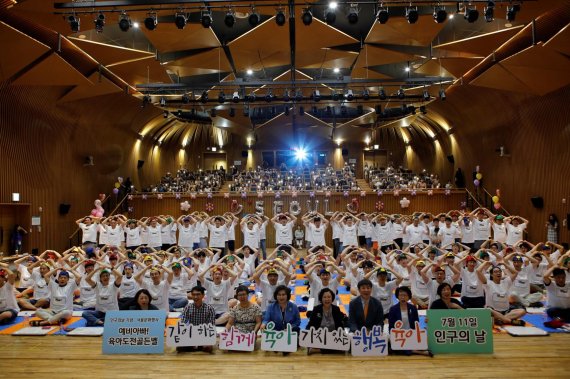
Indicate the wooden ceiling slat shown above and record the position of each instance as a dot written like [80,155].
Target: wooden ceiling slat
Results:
[399,32]
[482,45]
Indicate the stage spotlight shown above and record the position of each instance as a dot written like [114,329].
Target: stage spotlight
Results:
[439,15]
[366,95]
[150,21]
[471,15]
[511,13]
[221,97]
[307,17]
[280,18]
[382,94]
[383,15]
[489,11]
[330,16]
[335,96]
[412,15]
[204,97]
[299,95]
[235,97]
[426,95]
[286,96]
[74,23]
[300,154]
[401,94]
[353,14]
[185,98]
[124,22]
[333,5]
[251,98]
[162,101]
[206,19]
[99,22]
[180,20]
[349,95]
[316,95]
[269,97]
[230,19]
[165,114]
[253,18]
[442,95]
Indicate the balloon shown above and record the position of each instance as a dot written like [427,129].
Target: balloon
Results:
[495,199]
[479,176]
[115,191]
[497,206]
[476,182]
[94,212]
[117,184]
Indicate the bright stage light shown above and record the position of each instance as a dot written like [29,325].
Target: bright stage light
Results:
[300,154]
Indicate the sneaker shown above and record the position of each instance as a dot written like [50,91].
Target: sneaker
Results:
[518,323]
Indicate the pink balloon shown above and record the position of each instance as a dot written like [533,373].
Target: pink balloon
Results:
[476,182]
[94,212]
[497,206]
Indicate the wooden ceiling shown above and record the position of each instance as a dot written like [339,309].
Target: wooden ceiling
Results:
[197,55]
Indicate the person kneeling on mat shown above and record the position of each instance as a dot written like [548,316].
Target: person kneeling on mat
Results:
[105,295]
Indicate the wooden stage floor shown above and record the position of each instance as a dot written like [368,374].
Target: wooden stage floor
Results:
[80,357]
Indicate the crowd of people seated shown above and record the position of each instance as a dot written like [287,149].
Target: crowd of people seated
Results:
[190,181]
[453,260]
[390,178]
[298,178]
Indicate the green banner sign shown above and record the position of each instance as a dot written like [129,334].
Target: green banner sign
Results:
[453,331]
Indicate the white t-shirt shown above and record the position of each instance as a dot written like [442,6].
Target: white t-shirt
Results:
[61,298]
[26,279]
[133,236]
[283,233]
[432,288]
[179,286]
[398,231]
[106,297]
[521,284]
[41,289]
[129,287]
[262,230]
[497,295]
[383,234]
[159,294]
[251,236]
[217,236]
[8,298]
[218,295]
[231,231]
[515,233]
[166,233]
[86,294]
[362,227]
[415,234]
[336,230]
[318,234]
[103,235]
[447,235]
[536,275]
[500,232]
[187,236]
[267,291]
[349,235]
[114,235]
[317,286]
[384,294]
[467,235]
[419,288]
[558,297]
[154,236]
[481,230]
[89,232]
[471,286]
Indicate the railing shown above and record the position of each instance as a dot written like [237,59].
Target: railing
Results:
[105,203]
[471,200]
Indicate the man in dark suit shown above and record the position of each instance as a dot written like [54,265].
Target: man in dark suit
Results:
[365,310]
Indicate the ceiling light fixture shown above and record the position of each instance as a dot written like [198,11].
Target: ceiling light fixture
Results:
[124,22]
[383,15]
[74,23]
[353,14]
[307,17]
[489,11]
[471,14]
[382,94]
[439,15]
[206,19]
[99,22]
[280,18]
[412,15]
[151,21]
[330,15]
[253,18]
[180,20]
[230,18]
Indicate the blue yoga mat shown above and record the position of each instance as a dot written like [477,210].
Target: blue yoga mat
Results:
[538,320]
[17,320]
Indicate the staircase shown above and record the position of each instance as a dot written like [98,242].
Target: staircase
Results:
[363,184]
[226,186]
